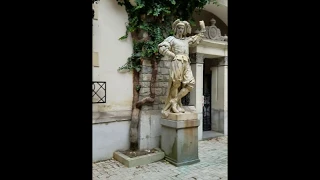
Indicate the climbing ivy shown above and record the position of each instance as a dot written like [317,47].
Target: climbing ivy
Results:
[150,22]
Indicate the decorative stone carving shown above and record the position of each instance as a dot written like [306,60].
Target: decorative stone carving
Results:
[224,61]
[181,80]
[214,33]
[95,10]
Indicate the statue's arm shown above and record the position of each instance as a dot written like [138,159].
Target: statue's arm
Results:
[165,48]
[196,39]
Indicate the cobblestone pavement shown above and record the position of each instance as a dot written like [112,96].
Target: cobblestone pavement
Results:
[213,163]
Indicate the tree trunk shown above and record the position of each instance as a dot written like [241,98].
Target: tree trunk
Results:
[152,85]
[136,106]
[135,114]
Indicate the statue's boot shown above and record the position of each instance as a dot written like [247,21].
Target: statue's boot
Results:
[174,105]
[181,109]
[183,92]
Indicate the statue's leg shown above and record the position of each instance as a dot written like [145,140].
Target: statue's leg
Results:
[184,91]
[188,83]
[174,94]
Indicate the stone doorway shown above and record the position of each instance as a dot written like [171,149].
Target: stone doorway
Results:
[210,125]
[206,102]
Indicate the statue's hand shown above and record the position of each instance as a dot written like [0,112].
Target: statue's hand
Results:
[171,54]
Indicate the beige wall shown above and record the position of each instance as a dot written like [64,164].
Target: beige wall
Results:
[112,53]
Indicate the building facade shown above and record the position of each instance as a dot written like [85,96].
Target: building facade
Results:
[112,90]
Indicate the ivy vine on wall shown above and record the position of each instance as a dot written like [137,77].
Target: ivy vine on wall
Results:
[150,23]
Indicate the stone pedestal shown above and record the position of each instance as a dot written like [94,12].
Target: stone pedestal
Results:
[179,139]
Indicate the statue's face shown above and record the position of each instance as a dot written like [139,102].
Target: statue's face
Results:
[180,30]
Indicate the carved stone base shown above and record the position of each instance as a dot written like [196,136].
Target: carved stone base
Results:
[190,114]
[182,116]
[179,139]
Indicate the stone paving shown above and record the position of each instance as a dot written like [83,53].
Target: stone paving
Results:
[213,165]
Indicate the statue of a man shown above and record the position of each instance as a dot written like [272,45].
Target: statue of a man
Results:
[181,80]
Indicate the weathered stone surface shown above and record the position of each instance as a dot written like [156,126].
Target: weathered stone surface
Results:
[167,64]
[164,71]
[161,63]
[145,77]
[144,91]
[159,77]
[156,100]
[146,107]
[146,70]
[146,62]
[161,106]
[218,120]
[179,141]
[150,129]
[162,99]
[164,91]
[163,84]
[155,106]
[166,77]
[166,58]
[158,91]
[145,84]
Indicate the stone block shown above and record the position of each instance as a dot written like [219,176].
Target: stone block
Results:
[146,62]
[163,84]
[146,70]
[160,64]
[144,91]
[155,106]
[159,77]
[162,99]
[150,129]
[145,84]
[145,77]
[146,107]
[158,91]
[155,124]
[164,71]
[164,91]
[167,64]
[218,120]
[165,77]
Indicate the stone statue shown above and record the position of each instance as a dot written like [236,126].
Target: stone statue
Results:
[181,80]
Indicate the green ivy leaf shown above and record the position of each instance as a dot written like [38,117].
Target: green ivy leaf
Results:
[123,37]
[173,2]
[138,7]
[150,11]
